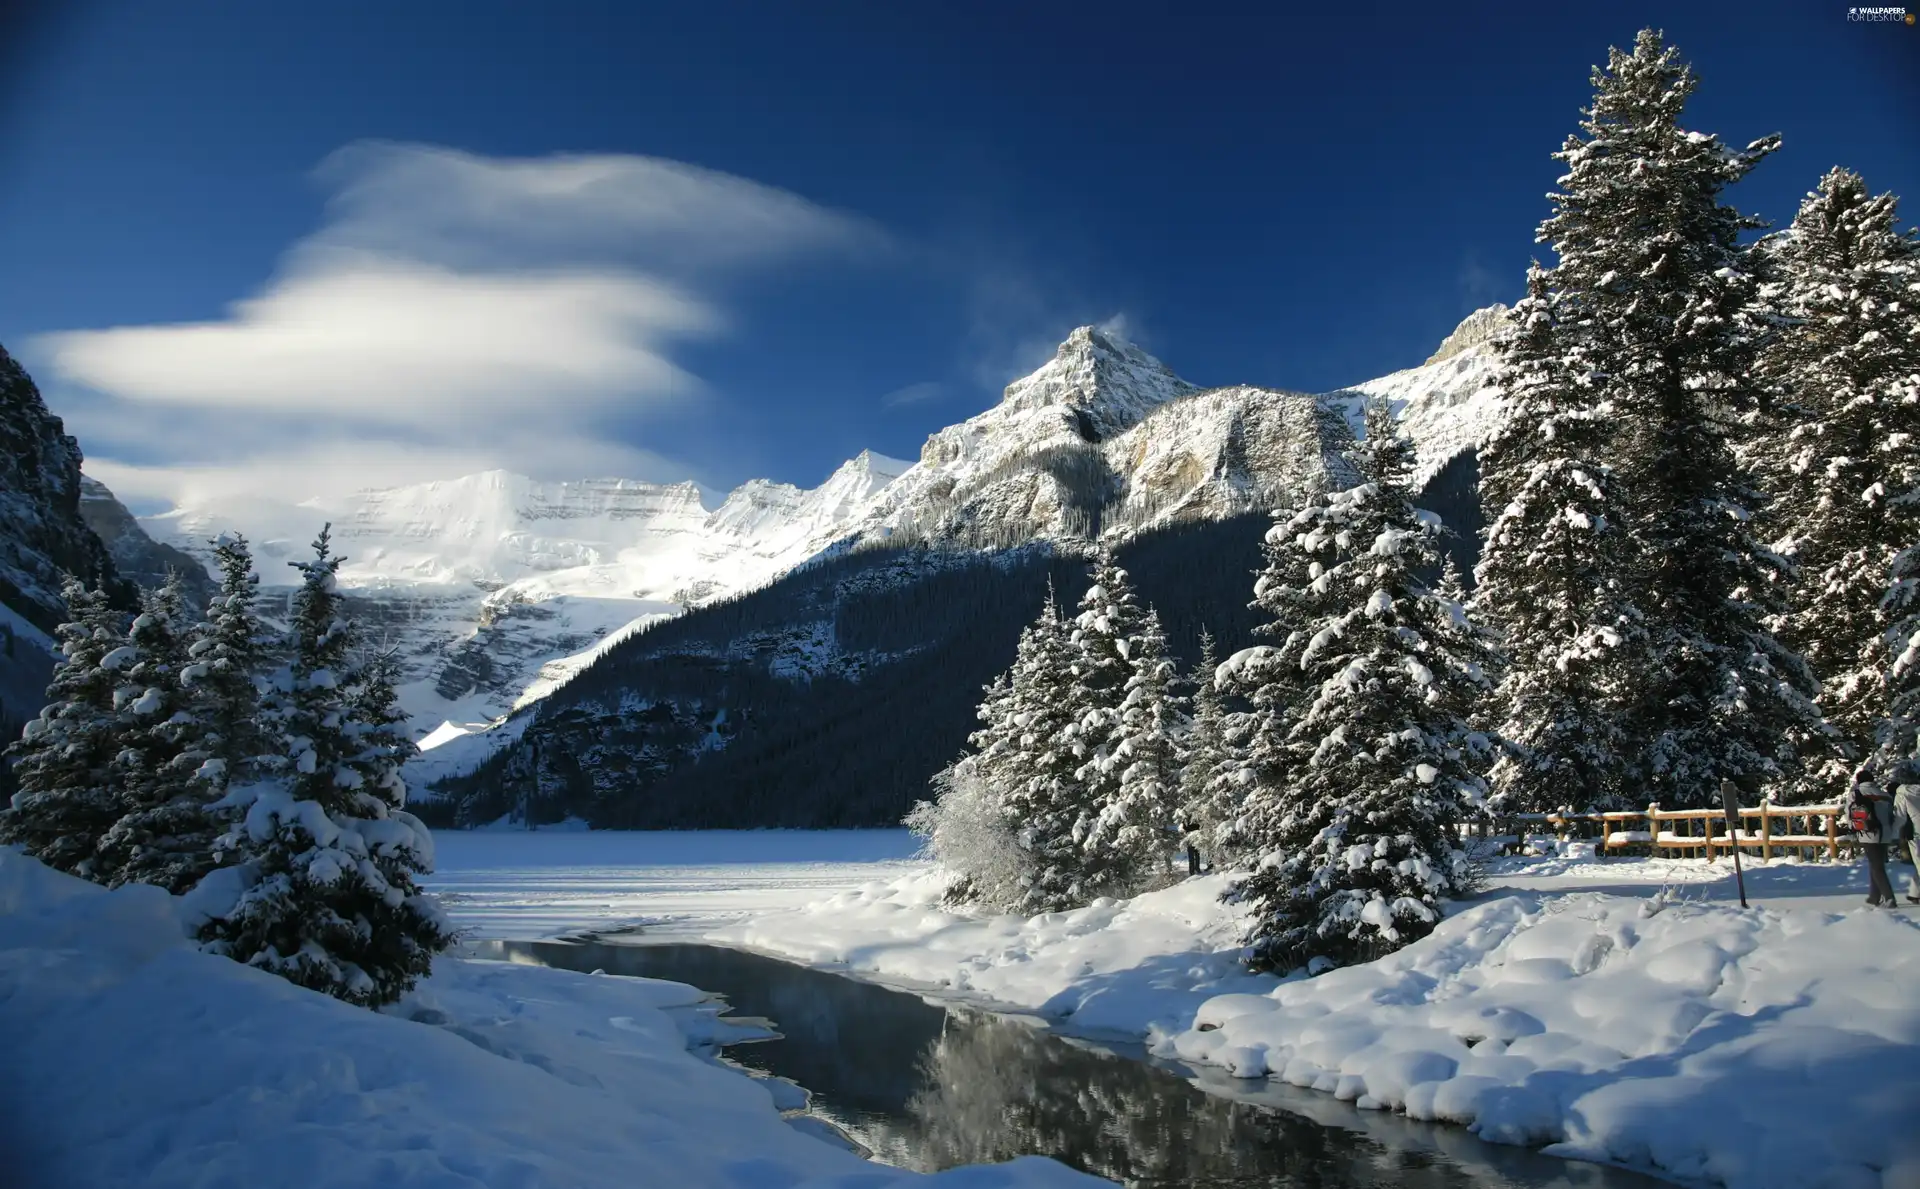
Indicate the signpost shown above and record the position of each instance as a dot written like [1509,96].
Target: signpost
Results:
[1730,800]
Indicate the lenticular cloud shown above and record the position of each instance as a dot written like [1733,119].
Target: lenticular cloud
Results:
[495,310]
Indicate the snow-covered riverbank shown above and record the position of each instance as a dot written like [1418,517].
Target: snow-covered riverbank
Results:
[1624,1011]
[135,1060]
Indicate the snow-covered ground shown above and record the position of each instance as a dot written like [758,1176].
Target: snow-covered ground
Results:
[549,883]
[1624,1010]
[133,1059]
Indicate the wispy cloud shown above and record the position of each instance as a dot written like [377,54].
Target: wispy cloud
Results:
[1479,285]
[453,313]
[913,394]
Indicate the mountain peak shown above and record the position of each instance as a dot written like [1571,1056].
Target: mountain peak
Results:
[872,462]
[1475,329]
[1102,375]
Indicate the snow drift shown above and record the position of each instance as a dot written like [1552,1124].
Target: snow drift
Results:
[136,1060]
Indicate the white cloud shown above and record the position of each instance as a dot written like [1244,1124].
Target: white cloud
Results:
[454,313]
[357,334]
[913,394]
[458,208]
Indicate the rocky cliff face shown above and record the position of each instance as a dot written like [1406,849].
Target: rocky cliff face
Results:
[1477,329]
[1448,405]
[42,534]
[1105,439]
[138,557]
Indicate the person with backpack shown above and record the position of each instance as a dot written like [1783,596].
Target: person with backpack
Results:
[1906,808]
[1870,812]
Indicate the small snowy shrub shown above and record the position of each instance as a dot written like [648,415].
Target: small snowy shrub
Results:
[967,835]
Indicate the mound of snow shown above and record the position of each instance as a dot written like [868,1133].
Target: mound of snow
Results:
[1754,1049]
[133,1059]
[1117,967]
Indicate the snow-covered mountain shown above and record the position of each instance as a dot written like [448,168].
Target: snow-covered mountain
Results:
[1105,438]
[1448,404]
[497,587]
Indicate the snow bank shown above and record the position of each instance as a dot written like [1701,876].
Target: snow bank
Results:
[1119,967]
[1753,1049]
[136,1060]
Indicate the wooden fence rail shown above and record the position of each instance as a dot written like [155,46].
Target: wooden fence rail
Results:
[1766,828]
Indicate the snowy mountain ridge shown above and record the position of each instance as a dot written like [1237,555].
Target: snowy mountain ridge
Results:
[497,587]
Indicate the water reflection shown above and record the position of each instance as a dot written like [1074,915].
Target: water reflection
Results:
[927,1087]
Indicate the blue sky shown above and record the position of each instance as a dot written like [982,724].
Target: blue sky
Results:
[353,243]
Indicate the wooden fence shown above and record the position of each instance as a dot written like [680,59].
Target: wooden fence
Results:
[1806,830]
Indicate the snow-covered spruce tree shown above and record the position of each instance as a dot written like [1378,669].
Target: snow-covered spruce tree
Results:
[1841,447]
[1666,321]
[1050,809]
[164,833]
[1118,835]
[1895,760]
[965,825]
[1141,816]
[1204,756]
[1358,848]
[1555,578]
[228,660]
[1252,794]
[218,734]
[64,803]
[327,856]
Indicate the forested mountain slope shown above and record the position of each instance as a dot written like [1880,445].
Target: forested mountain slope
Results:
[829,697]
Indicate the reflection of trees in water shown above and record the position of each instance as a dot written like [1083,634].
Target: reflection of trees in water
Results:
[995,1089]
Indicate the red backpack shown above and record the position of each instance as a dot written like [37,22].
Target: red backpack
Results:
[1864,816]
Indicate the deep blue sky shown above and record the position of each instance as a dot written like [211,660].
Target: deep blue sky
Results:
[1302,196]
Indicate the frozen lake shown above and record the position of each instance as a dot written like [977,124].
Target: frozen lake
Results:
[550,883]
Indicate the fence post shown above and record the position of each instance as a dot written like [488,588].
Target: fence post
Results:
[1833,835]
[1766,829]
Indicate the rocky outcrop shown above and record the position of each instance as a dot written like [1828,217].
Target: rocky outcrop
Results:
[1476,329]
[1449,405]
[42,533]
[138,557]
[1105,439]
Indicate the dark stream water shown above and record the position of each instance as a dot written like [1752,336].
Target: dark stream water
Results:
[927,1087]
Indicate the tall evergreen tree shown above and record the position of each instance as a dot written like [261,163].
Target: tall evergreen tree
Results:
[1652,309]
[1048,806]
[1251,796]
[64,801]
[1106,636]
[1840,447]
[1139,819]
[1895,760]
[1204,756]
[163,834]
[1357,843]
[1554,579]
[229,657]
[327,856]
